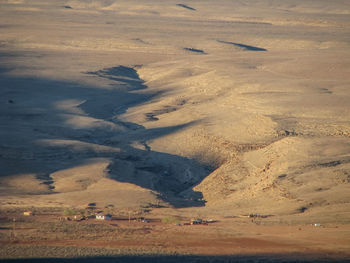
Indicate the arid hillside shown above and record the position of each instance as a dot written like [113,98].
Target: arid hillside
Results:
[219,107]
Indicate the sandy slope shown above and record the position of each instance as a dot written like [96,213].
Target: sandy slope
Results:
[232,104]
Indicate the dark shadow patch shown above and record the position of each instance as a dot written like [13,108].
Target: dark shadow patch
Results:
[67,7]
[251,23]
[47,180]
[123,75]
[161,172]
[140,41]
[321,189]
[34,119]
[242,46]
[186,7]
[325,90]
[151,116]
[115,256]
[284,133]
[302,209]
[4,70]
[282,176]
[331,164]
[152,169]
[195,50]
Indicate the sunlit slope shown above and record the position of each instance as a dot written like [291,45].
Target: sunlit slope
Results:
[217,104]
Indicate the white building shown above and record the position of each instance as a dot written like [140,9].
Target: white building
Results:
[103,216]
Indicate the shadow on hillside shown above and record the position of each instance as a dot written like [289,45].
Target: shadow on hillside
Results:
[186,7]
[49,125]
[286,258]
[242,46]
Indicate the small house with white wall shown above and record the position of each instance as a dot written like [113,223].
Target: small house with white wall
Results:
[103,216]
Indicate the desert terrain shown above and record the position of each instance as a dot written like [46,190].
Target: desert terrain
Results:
[173,110]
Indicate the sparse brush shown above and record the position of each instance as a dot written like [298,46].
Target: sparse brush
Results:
[69,212]
[170,220]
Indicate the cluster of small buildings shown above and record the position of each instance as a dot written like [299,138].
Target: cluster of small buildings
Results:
[99,216]
[199,221]
[106,216]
